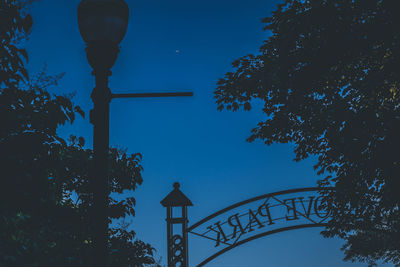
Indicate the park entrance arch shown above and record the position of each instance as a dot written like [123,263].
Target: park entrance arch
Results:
[241,222]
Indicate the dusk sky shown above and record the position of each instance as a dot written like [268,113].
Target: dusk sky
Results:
[176,45]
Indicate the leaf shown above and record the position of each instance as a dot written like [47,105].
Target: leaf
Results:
[81,141]
[79,111]
[28,22]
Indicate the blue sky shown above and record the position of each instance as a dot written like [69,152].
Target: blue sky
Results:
[181,45]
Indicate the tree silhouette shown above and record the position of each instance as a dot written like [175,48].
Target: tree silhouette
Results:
[329,78]
[45,196]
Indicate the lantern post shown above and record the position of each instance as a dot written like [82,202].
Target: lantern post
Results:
[177,241]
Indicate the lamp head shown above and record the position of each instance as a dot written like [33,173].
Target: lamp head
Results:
[103,25]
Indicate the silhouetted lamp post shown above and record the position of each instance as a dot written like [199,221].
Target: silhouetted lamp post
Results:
[102,24]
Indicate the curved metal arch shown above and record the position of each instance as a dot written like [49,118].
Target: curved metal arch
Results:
[238,204]
[289,228]
[241,203]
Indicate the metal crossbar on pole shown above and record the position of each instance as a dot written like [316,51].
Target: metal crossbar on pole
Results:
[142,95]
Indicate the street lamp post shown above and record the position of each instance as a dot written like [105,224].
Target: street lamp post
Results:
[102,24]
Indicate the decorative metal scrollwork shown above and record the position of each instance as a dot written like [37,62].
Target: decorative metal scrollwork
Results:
[177,251]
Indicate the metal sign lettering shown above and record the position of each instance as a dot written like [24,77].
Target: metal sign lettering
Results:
[261,216]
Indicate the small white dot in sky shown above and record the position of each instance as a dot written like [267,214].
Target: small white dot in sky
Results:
[177,51]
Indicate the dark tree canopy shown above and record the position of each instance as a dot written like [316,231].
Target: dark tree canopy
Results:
[45,197]
[329,77]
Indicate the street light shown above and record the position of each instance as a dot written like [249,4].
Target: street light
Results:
[102,24]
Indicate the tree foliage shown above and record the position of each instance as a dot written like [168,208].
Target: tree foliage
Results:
[45,200]
[14,26]
[329,77]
